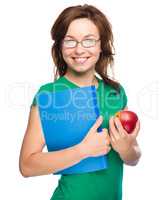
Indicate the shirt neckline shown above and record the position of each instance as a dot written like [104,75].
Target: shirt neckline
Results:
[74,84]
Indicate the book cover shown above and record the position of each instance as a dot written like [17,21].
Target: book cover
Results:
[66,117]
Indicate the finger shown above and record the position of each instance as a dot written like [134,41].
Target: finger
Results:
[119,127]
[112,139]
[137,129]
[113,129]
[97,124]
[112,125]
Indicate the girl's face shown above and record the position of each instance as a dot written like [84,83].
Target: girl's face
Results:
[81,58]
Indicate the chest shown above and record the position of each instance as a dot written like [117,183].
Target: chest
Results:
[109,102]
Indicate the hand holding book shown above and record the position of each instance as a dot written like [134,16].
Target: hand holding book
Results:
[95,144]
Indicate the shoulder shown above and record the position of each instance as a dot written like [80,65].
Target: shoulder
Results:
[122,89]
[52,86]
[111,89]
[46,86]
[115,96]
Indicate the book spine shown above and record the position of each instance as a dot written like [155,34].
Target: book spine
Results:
[96,106]
[105,164]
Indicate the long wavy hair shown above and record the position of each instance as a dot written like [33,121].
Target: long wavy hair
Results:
[59,30]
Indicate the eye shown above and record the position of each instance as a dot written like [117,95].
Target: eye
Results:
[89,42]
[69,43]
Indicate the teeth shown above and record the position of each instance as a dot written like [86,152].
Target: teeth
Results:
[80,60]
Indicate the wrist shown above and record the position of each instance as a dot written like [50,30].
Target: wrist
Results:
[81,151]
[125,152]
[131,155]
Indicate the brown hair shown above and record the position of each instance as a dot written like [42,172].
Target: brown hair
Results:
[59,30]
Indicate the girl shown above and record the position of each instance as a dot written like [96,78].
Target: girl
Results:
[82,52]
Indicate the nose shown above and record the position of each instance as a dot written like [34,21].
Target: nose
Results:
[79,49]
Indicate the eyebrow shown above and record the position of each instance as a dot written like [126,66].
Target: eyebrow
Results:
[89,35]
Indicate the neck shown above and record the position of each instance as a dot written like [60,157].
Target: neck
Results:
[85,79]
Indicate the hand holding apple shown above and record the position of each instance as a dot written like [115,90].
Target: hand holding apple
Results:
[128,120]
[120,134]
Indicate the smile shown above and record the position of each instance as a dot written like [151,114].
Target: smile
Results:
[80,60]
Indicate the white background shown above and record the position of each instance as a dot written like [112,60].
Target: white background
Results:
[26,63]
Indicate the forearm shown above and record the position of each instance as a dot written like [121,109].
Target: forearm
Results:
[131,156]
[44,163]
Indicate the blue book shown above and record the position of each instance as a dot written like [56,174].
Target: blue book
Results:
[66,117]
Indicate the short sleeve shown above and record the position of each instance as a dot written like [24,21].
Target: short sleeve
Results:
[123,97]
[47,87]
[34,101]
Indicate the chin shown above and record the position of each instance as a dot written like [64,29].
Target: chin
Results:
[82,69]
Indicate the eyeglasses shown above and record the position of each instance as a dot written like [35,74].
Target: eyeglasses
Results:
[86,43]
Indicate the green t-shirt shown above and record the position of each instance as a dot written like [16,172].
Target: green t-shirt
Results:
[104,184]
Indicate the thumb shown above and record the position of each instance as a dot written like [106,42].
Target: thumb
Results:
[97,124]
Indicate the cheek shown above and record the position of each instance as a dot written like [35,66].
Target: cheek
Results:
[96,53]
[66,54]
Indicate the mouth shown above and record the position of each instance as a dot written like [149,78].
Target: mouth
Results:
[80,60]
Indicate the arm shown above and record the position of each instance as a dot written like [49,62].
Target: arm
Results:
[34,162]
[132,155]
[123,143]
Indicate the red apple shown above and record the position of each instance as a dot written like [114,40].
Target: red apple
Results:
[128,119]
